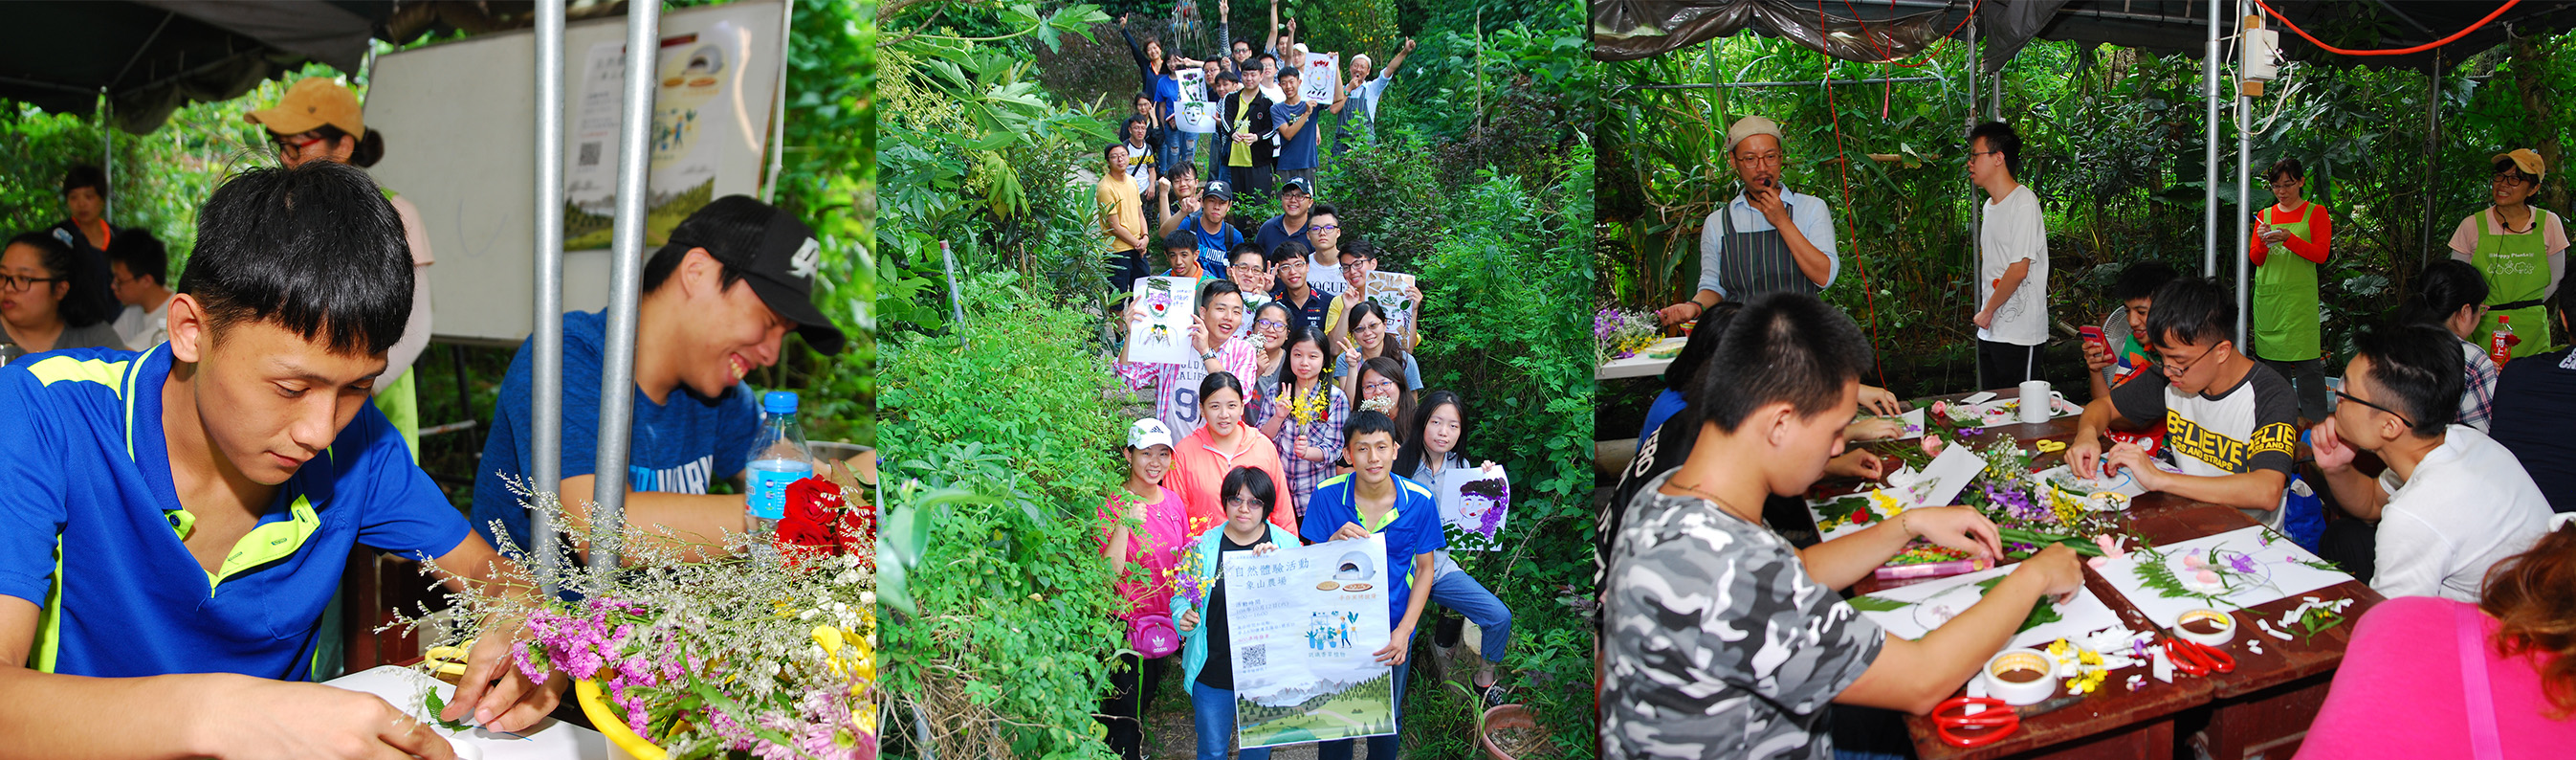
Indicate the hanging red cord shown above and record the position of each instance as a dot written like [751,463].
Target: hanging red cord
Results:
[2285,21]
[1869,295]
[1888,52]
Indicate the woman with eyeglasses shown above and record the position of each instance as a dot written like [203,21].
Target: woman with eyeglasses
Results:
[1369,341]
[2289,243]
[1381,388]
[37,278]
[2519,247]
[319,120]
[1207,662]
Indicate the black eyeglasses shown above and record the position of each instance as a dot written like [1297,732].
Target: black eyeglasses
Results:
[15,282]
[2357,400]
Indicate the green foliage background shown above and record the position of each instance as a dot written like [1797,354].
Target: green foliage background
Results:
[2113,142]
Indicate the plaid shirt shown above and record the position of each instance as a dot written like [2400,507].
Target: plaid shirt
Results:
[1240,357]
[1324,433]
[2477,396]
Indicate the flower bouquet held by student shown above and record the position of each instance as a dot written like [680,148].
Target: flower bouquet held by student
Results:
[1311,411]
[1207,670]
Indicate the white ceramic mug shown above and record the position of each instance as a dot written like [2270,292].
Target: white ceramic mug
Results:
[2036,401]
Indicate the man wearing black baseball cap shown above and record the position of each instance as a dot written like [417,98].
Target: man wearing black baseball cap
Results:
[719,298]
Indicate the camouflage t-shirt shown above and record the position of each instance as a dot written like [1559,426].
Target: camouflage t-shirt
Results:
[1720,645]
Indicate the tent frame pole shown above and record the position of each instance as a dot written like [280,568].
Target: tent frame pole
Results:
[545,471]
[617,364]
[2244,187]
[2209,154]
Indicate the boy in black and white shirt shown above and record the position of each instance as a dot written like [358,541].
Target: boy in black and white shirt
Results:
[2231,424]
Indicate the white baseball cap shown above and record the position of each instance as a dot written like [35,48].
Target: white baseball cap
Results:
[1148,432]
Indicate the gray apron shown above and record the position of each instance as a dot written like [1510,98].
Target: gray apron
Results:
[1753,263]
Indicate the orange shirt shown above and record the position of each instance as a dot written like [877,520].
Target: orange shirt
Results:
[1199,468]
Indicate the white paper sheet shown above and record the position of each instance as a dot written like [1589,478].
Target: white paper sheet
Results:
[548,740]
[1467,513]
[1164,337]
[2279,559]
[1931,603]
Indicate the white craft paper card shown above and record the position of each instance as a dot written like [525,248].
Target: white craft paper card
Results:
[1194,84]
[548,740]
[1316,80]
[1978,398]
[1164,336]
[1470,497]
[1195,117]
[2115,480]
[1386,289]
[1929,604]
[2279,560]
[1913,420]
[1950,472]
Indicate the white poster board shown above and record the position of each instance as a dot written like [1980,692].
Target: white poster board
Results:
[692,120]
[1164,335]
[1195,117]
[1306,624]
[1316,77]
[460,118]
[1194,84]
[1475,500]
[2263,568]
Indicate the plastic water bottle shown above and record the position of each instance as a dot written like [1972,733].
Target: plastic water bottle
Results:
[778,457]
[2500,343]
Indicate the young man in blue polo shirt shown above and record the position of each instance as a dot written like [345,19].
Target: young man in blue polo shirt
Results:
[172,523]
[719,299]
[1371,498]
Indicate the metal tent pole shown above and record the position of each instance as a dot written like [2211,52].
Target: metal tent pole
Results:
[617,365]
[106,157]
[778,114]
[2209,153]
[1976,196]
[545,473]
[2244,188]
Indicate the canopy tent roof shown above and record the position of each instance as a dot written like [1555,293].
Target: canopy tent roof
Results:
[1881,30]
[151,56]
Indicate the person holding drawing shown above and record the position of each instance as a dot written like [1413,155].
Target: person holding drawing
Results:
[175,521]
[1372,499]
[1430,451]
[1359,264]
[1719,639]
[1296,119]
[1220,311]
[1368,342]
[1249,495]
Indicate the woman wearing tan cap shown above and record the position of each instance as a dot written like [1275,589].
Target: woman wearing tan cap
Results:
[2521,248]
[319,120]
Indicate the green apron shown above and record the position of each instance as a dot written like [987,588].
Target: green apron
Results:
[2285,298]
[2517,270]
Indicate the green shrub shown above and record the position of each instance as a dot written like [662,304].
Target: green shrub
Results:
[1389,193]
[1011,629]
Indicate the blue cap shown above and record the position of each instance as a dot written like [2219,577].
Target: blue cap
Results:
[778,402]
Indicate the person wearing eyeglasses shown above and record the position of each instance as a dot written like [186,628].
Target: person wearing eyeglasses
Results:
[1296,221]
[2521,248]
[2452,502]
[2230,422]
[2284,322]
[2012,249]
[36,283]
[1768,238]
[2452,295]
[1293,266]
[319,120]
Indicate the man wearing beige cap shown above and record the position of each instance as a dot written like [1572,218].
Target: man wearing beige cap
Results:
[1768,238]
[2522,250]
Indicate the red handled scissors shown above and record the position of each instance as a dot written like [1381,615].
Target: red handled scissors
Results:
[1988,726]
[2198,659]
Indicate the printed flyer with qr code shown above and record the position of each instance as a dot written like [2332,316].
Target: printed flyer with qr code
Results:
[1306,624]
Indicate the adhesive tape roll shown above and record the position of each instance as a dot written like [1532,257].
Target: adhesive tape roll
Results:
[2021,676]
[2224,626]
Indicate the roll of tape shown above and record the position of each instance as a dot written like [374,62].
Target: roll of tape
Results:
[2029,692]
[2225,623]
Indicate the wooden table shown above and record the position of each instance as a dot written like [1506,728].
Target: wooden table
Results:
[2263,708]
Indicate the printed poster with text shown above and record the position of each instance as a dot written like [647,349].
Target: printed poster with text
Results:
[699,104]
[1307,624]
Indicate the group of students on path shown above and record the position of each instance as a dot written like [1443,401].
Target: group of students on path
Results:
[1307,403]
[2478,476]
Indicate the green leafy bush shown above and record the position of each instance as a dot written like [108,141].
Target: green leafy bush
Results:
[1004,624]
